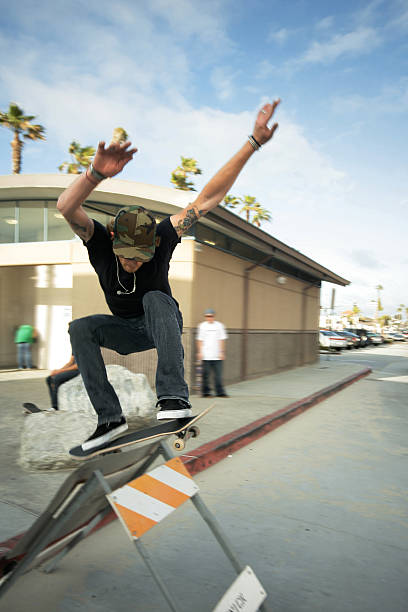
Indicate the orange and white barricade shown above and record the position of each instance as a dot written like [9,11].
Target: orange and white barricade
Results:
[147,500]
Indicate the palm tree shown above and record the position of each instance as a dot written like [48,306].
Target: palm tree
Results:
[120,135]
[250,206]
[379,306]
[81,156]
[399,315]
[231,201]
[20,124]
[355,309]
[179,175]
[260,214]
[384,320]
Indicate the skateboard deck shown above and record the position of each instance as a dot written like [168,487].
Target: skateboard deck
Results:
[182,428]
[30,408]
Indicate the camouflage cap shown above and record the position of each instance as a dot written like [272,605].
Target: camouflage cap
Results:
[134,233]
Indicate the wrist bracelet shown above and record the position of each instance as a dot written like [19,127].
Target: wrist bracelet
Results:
[94,183]
[99,177]
[255,144]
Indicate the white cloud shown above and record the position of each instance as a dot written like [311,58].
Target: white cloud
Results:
[325,23]
[188,19]
[165,127]
[366,259]
[136,64]
[391,99]
[400,22]
[151,45]
[370,11]
[360,41]
[279,36]
[264,70]
[222,79]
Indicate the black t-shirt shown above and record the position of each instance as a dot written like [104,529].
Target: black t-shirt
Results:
[151,276]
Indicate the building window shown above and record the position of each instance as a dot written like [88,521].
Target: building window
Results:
[57,227]
[103,218]
[41,221]
[8,222]
[221,241]
[30,221]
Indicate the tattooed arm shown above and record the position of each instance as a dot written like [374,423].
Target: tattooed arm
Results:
[218,187]
[69,205]
[186,218]
[213,193]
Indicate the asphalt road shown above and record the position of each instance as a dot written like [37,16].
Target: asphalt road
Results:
[318,508]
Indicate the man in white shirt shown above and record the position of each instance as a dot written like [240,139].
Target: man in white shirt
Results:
[211,336]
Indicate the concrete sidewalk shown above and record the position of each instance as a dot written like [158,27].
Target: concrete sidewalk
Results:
[24,495]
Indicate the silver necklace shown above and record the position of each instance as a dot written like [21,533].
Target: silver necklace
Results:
[126,291]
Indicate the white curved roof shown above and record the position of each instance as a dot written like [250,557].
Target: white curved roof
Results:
[111,191]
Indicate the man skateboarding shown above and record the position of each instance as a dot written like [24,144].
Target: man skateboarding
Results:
[131,258]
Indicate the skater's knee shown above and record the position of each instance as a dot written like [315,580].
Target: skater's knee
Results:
[162,306]
[154,297]
[78,327]
[157,300]
[73,327]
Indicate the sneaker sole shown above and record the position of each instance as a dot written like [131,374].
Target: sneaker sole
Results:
[174,414]
[111,435]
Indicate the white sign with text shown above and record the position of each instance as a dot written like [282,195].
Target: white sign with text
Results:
[245,594]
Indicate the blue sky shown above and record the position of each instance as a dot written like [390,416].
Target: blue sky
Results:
[186,78]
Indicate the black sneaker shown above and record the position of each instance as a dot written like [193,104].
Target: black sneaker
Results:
[173,409]
[105,433]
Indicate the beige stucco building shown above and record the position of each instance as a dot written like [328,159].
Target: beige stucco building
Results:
[266,293]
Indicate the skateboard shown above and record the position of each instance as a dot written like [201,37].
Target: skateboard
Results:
[30,408]
[183,429]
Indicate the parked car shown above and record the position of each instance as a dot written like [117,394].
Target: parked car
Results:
[374,338]
[397,337]
[329,339]
[387,337]
[353,341]
[362,333]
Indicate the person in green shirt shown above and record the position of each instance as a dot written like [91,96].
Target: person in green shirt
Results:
[24,338]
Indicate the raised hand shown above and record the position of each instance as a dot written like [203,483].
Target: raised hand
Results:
[262,133]
[111,160]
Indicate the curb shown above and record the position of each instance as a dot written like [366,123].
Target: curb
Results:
[211,453]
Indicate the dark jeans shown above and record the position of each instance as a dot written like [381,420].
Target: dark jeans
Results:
[160,327]
[216,367]
[54,382]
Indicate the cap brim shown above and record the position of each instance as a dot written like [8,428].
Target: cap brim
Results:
[133,253]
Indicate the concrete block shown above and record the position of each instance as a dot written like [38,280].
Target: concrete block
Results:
[133,390]
[46,437]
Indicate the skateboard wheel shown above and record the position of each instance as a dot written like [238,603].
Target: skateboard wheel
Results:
[195,431]
[178,444]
